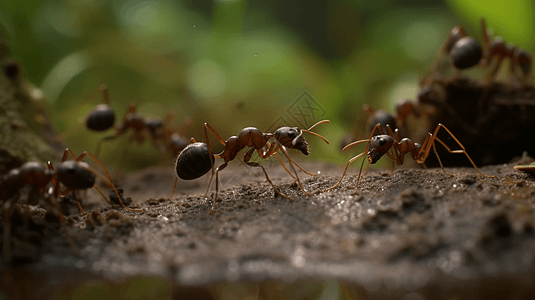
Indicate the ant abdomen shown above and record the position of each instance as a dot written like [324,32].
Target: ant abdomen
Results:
[194,161]
[76,175]
[101,118]
[466,53]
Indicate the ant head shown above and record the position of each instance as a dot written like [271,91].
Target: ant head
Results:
[76,175]
[292,137]
[466,53]
[379,145]
[101,118]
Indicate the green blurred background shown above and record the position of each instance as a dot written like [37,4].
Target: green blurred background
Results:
[237,63]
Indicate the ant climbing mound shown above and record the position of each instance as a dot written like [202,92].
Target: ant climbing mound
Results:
[465,52]
[197,158]
[395,148]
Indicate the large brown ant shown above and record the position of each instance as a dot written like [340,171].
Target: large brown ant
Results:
[465,52]
[162,136]
[395,148]
[197,158]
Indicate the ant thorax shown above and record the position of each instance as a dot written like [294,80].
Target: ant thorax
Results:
[292,137]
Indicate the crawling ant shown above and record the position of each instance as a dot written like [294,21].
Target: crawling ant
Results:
[73,174]
[395,148]
[197,158]
[163,137]
[403,109]
[465,52]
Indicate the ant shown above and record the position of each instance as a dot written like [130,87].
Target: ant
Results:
[73,174]
[103,118]
[465,52]
[395,148]
[404,108]
[197,158]
[499,50]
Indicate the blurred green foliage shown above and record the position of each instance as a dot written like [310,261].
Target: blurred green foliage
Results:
[237,63]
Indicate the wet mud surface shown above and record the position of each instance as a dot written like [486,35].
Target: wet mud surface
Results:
[405,231]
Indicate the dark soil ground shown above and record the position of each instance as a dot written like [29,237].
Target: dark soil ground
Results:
[406,234]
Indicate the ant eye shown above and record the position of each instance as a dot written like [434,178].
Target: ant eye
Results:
[382,141]
[292,133]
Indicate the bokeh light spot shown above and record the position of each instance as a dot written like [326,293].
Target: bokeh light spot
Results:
[206,78]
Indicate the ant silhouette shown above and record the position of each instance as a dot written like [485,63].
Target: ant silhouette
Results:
[395,148]
[162,136]
[197,158]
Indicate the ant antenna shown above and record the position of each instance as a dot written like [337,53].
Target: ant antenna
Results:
[311,132]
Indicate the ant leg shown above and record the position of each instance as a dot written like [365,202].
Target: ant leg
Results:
[485,34]
[221,167]
[7,209]
[174,188]
[110,183]
[254,164]
[272,151]
[344,174]
[207,126]
[360,171]
[463,150]
[283,150]
[98,190]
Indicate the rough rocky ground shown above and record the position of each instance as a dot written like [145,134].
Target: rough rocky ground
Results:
[406,234]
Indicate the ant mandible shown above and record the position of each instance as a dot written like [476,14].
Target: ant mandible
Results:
[395,148]
[103,118]
[197,158]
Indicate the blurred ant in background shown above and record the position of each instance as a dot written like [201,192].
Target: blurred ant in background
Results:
[165,138]
[73,174]
[465,52]
[197,158]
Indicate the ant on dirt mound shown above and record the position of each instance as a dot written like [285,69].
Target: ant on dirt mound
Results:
[73,174]
[395,148]
[162,135]
[197,158]
[465,52]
